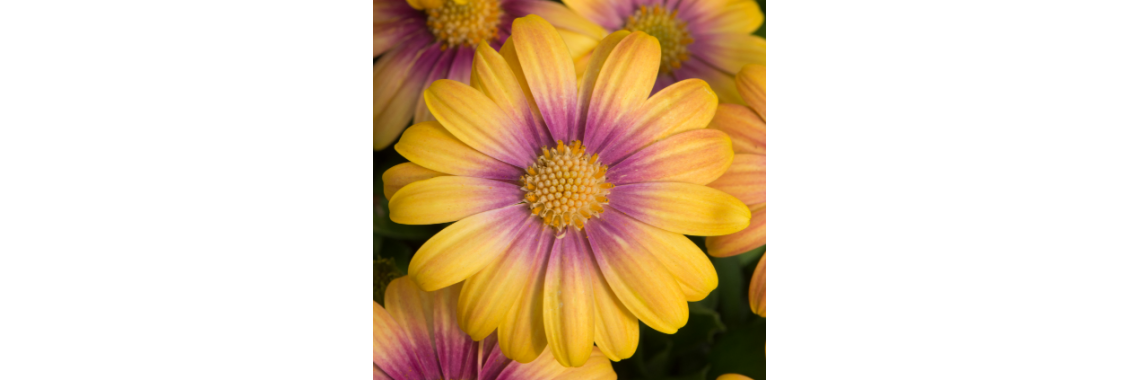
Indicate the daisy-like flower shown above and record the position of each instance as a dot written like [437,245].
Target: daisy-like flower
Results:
[426,40]
[745,177]
[571,201]
[732,376]
[415,337]
[706,39]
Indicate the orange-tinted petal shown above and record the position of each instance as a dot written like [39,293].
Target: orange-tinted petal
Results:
[751,237]
[545,367]
[745,127]
[745,179]
[756,291]
[697,157]
[683,106]
[751,82]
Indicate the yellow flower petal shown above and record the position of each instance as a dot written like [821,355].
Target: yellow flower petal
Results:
[395,90]
[601,12]
[683,106]
[745,127]
[623,85]
[396,177]
[488,296]
[522,335]
[466,247]
[693,270]
[697,157]
[645,287]
[511,56]
[683,208]
[500,84]
[563,18]
[430,145]
[568,301]
[450,198]
[756,293]
[477,121]
[730,52]
[737,17]
[616,331]
[593,69]
[751,83]
[597,367]
[549,69]
[751,237]
[392,350]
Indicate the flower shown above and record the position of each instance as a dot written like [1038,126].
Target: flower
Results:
[571,201]
[425,40]
[706,39]
[415,337]
[756,288]
[732,376]
[745,177]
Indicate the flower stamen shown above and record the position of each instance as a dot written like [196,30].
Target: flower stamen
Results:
[455,25]
[673,34]
[566,187]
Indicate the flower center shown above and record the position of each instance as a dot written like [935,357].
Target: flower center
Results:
[456,25]
[671,32]
[566,187]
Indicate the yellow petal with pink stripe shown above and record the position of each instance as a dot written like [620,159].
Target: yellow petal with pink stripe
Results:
[592,70]
[561,17]
[681,207]
[488,296]
[392,350]
[522,335]
[501,85]
[450,198]
[601,12]
[616,331]
[697,157]
[396,177]
[568,300]
[751,237]
[683,106]
[430,145]
[756,291]
[645,287]
[549,69]
[744,179]
[730,52]
[736,17]
[745,127]
[477,121]
[751,81]
[465,247]
[623,85]
[411,309]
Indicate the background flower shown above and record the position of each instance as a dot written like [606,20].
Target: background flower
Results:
[705,39]
[415,337]
[745,177]
[425,40]
[568,251]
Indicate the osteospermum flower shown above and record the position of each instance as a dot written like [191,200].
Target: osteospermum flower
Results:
[745,177]
[426,40]
[705,39]
[415,337]
[571,201]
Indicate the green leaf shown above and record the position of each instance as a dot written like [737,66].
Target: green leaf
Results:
[383,272]
[399,252]
[733,299]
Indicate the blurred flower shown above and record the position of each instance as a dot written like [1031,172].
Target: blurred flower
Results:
[706,39]
[566,244]
[415,337]
[745,177]
[425,40]
[733,376]
[756,288]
